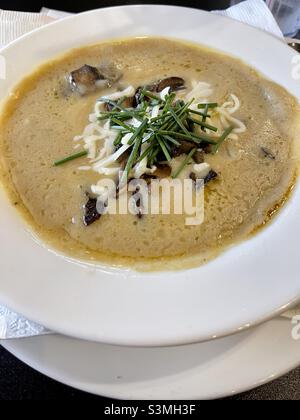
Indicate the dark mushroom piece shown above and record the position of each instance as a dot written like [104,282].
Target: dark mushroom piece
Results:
[210,176]
[162,171]
[185,148]
[175,83]
[138,205]
[138,198]
[207,148]
[193,176]
[138,96]
[88,78]
[108,107]
[129,102]
[267,153]
[84,80]
[148,178]
[199,156]
[91,213]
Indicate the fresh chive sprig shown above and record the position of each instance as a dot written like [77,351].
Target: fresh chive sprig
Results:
[162,135]
[184,163]
[70,158]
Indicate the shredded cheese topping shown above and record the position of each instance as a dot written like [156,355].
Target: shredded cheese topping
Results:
[98,137]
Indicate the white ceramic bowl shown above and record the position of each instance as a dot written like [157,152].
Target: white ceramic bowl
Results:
[248,284]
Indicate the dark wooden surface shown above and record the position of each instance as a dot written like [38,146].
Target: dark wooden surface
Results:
[79,6]
[18,381]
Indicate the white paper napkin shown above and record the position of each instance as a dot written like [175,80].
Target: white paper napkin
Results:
[255,13]
[15,24]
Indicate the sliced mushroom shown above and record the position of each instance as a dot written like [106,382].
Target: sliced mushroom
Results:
[84,80]
[88,78]
[91,214]
[175,83]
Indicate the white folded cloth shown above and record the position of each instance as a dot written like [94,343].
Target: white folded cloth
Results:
[15,24]
[255,13]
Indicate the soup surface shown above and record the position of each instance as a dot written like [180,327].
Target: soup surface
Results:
[255,166]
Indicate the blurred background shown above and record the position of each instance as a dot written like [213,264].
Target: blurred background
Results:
[287,12]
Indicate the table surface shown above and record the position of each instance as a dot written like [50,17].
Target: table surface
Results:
[18,381]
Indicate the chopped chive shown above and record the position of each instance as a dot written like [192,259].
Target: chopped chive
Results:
[146,152]
[103,117]
[204,117]
[174,124]
[191,137]
[167,122]
[160,118]
[198,113]
[153,155]
[170,124]
[186,106]
[131,160]
[164,148]
[119,128]
[122,124]
[151,95]
[117,114]
[111,103]
[178,121]
[168,103]
[155,102]
[71,157]
[184,163]
[226,133]
[118,106]
[209,105]
[180,112]
[118,138]
[177,143]
[203,124]
[138,132]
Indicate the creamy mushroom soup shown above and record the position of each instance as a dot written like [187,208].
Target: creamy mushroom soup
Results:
[147,109]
